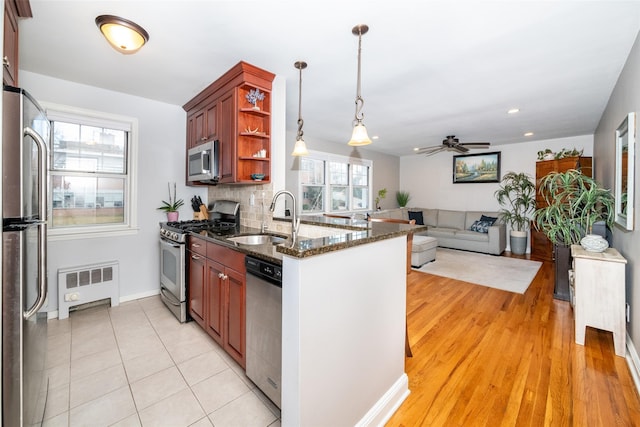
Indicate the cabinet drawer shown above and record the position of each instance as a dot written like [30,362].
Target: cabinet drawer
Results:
[230,258]
[198,246]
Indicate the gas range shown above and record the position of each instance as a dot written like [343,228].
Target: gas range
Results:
[224,220]
[177,231]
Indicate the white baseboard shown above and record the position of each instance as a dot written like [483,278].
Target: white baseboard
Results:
[387,405]
[634,362]
[54,314]
[140,295]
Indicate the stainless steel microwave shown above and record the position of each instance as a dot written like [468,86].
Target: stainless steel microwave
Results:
[203,162]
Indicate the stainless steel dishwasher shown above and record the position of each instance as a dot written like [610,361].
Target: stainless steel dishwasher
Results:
[264,326]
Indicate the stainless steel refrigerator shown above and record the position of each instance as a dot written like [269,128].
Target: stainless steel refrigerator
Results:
[25,136]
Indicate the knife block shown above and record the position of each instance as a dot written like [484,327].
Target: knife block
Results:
[198,216]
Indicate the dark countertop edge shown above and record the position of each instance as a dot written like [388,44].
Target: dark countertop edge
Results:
[304,248]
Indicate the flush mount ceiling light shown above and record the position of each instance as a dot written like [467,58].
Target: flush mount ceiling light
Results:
[125,36]
[359,135]
[300,149]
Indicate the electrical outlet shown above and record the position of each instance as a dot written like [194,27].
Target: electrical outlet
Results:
[252,199]
[628,310]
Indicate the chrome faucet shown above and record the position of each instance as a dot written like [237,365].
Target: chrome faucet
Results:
[295,221]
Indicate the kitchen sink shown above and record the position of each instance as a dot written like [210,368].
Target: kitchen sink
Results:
[257,239]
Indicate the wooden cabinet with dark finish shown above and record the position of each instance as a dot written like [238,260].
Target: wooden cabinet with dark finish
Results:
[541,247]
[217,287]
[13,9]
[221,111]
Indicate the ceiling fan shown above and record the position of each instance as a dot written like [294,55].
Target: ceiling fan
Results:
[451,143]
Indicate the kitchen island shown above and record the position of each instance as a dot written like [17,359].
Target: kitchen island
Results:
[343,324]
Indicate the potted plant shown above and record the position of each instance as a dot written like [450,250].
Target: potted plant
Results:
[575,202]
[381,195]
[402,197]
[546,154]
[171,207]
[517,196]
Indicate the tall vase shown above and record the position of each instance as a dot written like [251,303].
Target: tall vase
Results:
[172,216]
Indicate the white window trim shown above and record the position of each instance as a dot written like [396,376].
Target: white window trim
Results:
[57,112]
[329,157]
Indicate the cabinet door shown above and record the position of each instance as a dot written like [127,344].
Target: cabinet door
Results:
[235,332]
[227,137]
[196,128]
[215,301]
[211,120]
[10,45]
[197,282]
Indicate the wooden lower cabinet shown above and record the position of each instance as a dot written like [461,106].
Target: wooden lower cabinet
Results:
[217,287]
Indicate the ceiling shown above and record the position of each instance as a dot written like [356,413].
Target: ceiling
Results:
[429,68]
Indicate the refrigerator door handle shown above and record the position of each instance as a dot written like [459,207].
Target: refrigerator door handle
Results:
[42,272]
[42,147]
[42,227]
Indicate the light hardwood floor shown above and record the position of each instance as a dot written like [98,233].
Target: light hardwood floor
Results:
[485,357]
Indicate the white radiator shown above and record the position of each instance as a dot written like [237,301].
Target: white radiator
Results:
[87,283]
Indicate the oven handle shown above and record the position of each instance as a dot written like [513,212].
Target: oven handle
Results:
[169,243]
[169,296]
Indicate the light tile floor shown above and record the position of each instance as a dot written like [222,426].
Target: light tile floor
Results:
[136,365]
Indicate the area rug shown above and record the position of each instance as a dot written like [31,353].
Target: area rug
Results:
[508,274]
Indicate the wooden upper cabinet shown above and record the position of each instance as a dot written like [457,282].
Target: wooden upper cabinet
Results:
[222,112]
[13,9]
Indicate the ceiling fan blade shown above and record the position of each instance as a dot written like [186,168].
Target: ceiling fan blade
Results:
[476,144]
[429,149]
[459,149]
[434,151]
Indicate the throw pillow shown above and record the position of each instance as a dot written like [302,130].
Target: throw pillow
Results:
[480,226]
[490,219]
[417,215]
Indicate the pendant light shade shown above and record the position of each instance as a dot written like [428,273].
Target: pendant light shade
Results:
[123,35]
[300,149]
[359,136]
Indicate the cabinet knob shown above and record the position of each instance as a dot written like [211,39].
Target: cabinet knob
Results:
[221,276]
[5,61]
[195,245]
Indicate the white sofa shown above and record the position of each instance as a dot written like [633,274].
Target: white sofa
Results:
[453,229]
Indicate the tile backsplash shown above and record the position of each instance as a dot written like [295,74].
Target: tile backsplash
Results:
[250,216]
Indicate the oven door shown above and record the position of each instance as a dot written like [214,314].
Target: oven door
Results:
[172,270]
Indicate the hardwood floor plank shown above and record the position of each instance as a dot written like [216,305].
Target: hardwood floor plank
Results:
[486,357]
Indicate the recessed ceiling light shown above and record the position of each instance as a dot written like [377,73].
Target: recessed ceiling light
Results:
[513,111]
[528,134]
[375,137]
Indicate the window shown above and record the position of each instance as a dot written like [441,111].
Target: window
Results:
[330,183]
[91,173]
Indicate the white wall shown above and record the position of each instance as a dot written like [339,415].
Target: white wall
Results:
[624,99]
[429,179]
[161,154]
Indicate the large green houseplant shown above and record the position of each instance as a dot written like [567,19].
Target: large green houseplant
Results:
[517,196]
[575,202]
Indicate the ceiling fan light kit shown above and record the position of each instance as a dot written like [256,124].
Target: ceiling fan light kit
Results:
[359,136]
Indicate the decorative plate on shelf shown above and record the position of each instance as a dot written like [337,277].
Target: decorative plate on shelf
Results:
[257,176]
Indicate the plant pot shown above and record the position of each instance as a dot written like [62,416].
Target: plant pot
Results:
[172,216]
[518,242]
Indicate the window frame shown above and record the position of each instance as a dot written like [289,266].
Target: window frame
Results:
[65,113]
[327,158]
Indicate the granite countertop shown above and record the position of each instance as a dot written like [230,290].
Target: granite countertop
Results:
[349,233]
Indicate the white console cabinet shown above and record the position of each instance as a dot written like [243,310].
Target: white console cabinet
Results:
[600,294]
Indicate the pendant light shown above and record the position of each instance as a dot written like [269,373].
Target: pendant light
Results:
[359,135]
[300,149]
[125,36]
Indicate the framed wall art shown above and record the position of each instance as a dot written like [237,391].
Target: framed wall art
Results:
[475,168]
